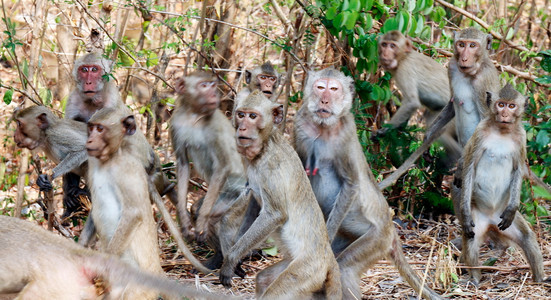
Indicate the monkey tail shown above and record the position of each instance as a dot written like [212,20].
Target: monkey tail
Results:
[401,263]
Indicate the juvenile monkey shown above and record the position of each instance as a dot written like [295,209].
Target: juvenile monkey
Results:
[63,141]
[422,82]
[264,78]
[202,134]
[492,171]
[471,74]
[357,214]
[39,264]
[121,214]
[289,211]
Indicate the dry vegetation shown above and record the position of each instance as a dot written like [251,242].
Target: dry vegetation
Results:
[53,33]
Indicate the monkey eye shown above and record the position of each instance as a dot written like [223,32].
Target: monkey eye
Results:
[512,106]
[263,77]
[334,88]
[501,105]
[321,87]
[99,128]
[461,44]
[252,116]
[84,69]
[240,115]
[392,46]
[384,44]
[94,69]
[472,45]
[272,78]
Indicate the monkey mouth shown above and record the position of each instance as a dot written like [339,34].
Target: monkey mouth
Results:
[267,93]
[323,113]
[90,93]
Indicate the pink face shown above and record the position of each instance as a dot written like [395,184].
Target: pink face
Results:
[467,55]
[506,112]
[267,83]
[387,55]
[90,78]
[330,94]
[207,89]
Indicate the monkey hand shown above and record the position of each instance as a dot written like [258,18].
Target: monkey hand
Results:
[507,218]
[467,227]
[44,183]
[226,274]
[380,133]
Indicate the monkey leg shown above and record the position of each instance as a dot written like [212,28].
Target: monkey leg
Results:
[279,281]
[471,246]
[521,233]
[71,194]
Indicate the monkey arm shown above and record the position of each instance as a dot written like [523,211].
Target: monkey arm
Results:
[88,232]
[183,179]
[268,221]
[216,183]
[437,127]
[467,222]
[410,103]
[508,214]
[348,194]
[131,218]
[71,161]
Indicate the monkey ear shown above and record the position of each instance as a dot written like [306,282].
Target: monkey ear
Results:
[277,113]
[180,86]
[409,45]
[488,99]
[129,125]
[489,39]
[248,76]
[526,102]
[42,121]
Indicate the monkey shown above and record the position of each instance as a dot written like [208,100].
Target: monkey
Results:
[471,74]
[62,140]
[94,88]
[122,219]
[356,213]
[264,78]
[38,264]
[202,134]
[410,69]
[490,196]
[289,211]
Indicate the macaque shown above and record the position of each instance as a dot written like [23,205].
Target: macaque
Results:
[203,135]
[119,185]
[94,88]
[471,74]
[357,215]
[492,173]
[38,264]
[289,211]
[422,82]
[63,141]
[264,78]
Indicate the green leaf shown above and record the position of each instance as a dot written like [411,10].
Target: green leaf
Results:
[331,13]
[8,96]
[403,21]
[340,19]
[126,60]
[351,20]
[145,25]
[409,5]
[270,251]
[345,5]
[367,21]
[152,59]
[543,139]
[354,6]
[366,4]
[546,79]
[546,63]
[540,192]
[390,24]
[490,262]
[413,27]
[377,93]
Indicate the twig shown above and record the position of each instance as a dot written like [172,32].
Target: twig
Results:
[107,33]
[24,93]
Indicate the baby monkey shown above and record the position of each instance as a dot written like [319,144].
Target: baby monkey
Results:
[492,168]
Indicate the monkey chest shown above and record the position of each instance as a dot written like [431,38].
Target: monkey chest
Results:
[494,173]
[106,210]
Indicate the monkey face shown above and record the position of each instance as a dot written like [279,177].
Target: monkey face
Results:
[267,83]
[388,55]
[249,124]
[25,138]
[468,53]
[506,112]
[327,103]
[209,100]
[89,79]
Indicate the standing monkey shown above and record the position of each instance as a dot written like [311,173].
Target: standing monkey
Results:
[203,135]
[39,264]
[471,74]
[357,214]
[493,166]
[289,210]
[422,82]
[119,186]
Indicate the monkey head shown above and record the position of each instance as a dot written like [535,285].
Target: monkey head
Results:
[198,91]
[31,125]
[328,94]
[89,71]
[106,131]
[255,119]
[508,108]
[392,47]
[470,46]
[264,78]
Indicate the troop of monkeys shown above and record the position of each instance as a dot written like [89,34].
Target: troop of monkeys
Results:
[319,202]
